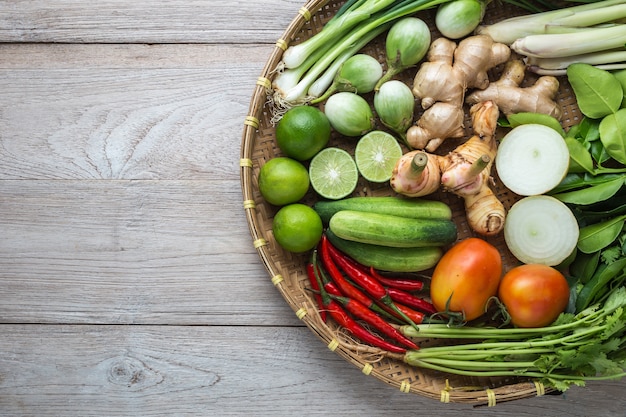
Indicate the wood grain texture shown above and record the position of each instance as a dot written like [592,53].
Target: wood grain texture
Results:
[227,371]
[131,252]
[144,21]
[129,284]
[159,121]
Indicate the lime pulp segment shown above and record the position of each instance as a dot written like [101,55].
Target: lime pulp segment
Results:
[376,155]
[333,173]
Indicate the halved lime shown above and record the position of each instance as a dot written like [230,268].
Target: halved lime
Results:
[333,173]
[376,155]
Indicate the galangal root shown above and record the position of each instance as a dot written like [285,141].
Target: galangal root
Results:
[511,98]
[441,82]
[465,171]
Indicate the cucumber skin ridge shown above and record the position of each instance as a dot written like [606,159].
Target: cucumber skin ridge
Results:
[402,207]
[386,258]
[390,230]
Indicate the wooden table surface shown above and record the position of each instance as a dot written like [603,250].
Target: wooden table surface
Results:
[129,284]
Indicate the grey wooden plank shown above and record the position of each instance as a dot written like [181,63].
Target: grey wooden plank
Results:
[226,371]
[119,21]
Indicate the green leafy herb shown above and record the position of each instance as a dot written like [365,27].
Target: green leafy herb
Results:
[573,350]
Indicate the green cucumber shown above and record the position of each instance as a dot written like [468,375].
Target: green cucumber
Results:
[390,230]
[403,207]
[386,258]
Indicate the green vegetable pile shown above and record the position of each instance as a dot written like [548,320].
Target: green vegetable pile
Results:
[590,345]
[588,340]
[595,187]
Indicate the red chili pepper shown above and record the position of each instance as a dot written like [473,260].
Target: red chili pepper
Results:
[362,312]
[399,283]
[333,289]
[416,316]
[343,319]
[315,286]
[408,299]
[337,277]
[358,275]
[369,284]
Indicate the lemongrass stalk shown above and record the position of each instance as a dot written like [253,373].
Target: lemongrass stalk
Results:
[558,66]
[559,72]
[585,15]
[569,44]
[594,16]
[333,29]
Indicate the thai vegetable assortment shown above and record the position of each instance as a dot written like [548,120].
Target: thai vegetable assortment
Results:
[393,271]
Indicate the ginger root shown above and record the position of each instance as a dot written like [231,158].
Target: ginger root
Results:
[511,98]
[449,71]
[449,120]
[466,172]
[416,174]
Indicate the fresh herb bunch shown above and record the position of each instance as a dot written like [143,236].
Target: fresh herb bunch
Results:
[576,348]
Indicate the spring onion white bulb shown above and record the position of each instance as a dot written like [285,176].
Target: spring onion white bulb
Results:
[541,229]
[532,159]
[459,18]
[395,104]
[349,114]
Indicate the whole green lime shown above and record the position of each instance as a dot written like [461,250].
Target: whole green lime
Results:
[283,181]
[297,227]
[302,132]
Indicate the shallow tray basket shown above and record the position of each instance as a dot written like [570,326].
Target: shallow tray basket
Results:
[287,271]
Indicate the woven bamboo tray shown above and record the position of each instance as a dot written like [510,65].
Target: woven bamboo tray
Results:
[287,271]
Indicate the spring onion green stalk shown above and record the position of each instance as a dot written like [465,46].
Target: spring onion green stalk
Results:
[349,114]
[358,74]
[338,35]
[345,19]
[406,45]
[395,104]
[352,43]
[459,18]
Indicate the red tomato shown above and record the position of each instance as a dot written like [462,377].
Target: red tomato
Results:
[466,277]
[534,295]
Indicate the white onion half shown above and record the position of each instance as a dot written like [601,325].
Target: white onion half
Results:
[532,159]
[541,229]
